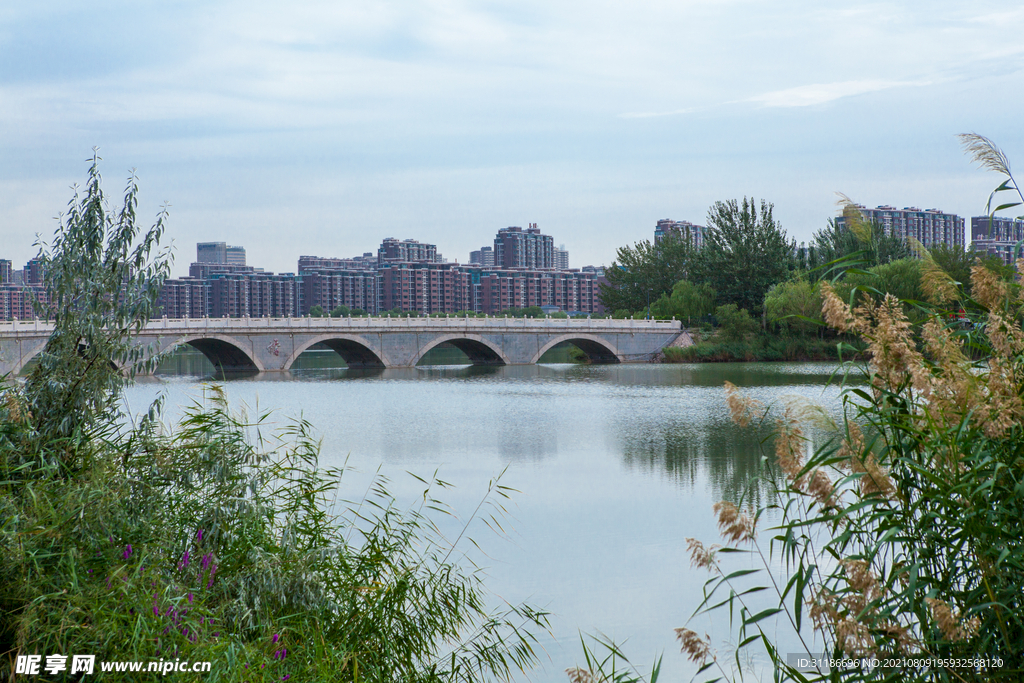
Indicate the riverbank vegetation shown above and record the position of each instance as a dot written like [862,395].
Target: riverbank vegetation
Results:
[216,539]
[748,294]
[893,545]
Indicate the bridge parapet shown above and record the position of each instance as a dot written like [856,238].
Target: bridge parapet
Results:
[244,325]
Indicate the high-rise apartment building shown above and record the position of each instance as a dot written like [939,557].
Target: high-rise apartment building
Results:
[6,271]
[518,248]
[220,252]
[19,301]
[393,250]
[35,271]
[205,270]
[931,227]
[570,291]
[425,287]
[561,257]
[680,230]
[331,288]
[316,263]
[185,297]
[482,257]
[997,236]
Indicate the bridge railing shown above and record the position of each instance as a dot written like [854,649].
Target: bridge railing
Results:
[185,325]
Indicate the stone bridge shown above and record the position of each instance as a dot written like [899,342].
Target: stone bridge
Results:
[273,344]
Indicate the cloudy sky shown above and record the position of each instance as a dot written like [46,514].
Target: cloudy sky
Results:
[323,127]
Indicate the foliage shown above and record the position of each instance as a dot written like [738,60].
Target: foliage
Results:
[860,242]
[216,540]
[745,252]
[955,261]
[902,279]
[902,534]
[340,311]
[794,306]
[763,347]
[208,544]
[735,324]
[613,667]
[399,313]
[639,275]
[897,544]
[316,311]
[102,280]
[528,312]
[688,301]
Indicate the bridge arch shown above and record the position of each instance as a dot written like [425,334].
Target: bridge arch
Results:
[356,350]
[226,353]
[599,349]
[480,351]
[24,357]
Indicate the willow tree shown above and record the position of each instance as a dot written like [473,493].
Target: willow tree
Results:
[103,274]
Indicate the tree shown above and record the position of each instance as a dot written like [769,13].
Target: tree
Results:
[688,300]
[858,237]
[745,252]
[639,275]
[735,324]
[103,280]
[954,260]
[341,311]
[787,302]
[316,312]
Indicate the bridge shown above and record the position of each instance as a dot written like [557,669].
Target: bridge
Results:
[273,344]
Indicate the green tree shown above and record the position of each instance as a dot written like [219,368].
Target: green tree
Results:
[745,252]
[341,311]
[103,279]
[639,275]
[860,242]
[900,278]
[687,301]
[735,324]
[787,302]
[316,312]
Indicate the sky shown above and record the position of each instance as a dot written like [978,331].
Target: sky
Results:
[323,127]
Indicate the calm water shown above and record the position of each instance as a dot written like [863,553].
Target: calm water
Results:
[616,466]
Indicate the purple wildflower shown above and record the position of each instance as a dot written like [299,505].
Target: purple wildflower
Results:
[127,551]
[277,637]
[190,597]
[199,535]
[184,561]
[209,584]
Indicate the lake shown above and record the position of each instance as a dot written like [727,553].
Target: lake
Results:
[616,465]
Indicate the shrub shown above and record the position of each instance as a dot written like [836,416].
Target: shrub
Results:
[794,306]
[735,324]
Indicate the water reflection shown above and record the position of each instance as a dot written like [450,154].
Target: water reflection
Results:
[617,465]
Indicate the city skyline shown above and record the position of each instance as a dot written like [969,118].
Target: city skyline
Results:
[319,126]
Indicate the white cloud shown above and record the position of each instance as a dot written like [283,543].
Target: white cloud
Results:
[821,93]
